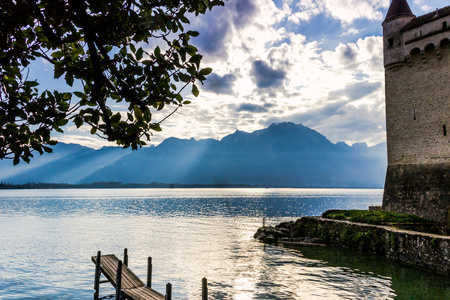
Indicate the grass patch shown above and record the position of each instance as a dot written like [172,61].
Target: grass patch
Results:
[374,217]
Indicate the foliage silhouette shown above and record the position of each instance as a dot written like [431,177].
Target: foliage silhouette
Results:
[100,46]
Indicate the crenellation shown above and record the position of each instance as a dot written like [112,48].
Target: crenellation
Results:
[417,74]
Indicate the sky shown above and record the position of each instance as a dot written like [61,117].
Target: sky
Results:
[314,62]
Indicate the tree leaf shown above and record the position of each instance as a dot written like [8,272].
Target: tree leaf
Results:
[157,51]
[192,33]
[195,91]
[139,53]
[205,71]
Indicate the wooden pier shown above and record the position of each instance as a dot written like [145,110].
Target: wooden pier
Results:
[128,286]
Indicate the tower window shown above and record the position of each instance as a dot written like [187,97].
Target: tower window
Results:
[444,25]
[445,130]
[391,42]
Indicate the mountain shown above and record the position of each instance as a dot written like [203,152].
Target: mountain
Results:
[284,154]
[69,163]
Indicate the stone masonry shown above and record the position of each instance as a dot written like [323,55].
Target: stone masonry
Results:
[417,74]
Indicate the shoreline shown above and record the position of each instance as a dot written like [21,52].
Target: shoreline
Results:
[159,185]
[424,250]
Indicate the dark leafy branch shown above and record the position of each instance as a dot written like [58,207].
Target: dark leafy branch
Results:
[100,45]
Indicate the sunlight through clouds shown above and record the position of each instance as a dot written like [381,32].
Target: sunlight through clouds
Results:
[315,62]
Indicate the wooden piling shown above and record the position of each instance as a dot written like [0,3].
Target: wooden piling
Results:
[169,291]
[119,280]
[125,257]
[204,289]
[149,272]
[97,276]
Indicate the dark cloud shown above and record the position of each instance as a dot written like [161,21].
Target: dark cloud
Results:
[213,35]
[243,11]
[220,84]
[348,54]
[269,105]
[251,108]
[355,91]
[265,76]
[215,26]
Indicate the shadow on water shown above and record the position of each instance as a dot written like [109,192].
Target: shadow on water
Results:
[406,282]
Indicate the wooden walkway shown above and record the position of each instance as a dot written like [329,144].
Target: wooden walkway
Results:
[128,286]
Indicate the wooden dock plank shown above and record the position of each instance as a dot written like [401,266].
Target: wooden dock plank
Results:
[132,287]
[143,293]
[128,281]
[108,266]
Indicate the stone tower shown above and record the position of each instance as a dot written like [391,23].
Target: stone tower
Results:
[417,73]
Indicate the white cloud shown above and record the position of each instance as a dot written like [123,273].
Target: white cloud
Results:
[346,11]
[87,141]
[333,75]
[330,91]
[351,31]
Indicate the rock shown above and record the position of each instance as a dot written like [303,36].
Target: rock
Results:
[260,235]
[270,239]
[270,234]
[285,225]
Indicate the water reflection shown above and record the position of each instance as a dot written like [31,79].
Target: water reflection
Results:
[49,236]
[404,282]
[183,202]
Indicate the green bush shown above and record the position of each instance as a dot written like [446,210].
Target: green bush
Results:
[374,217]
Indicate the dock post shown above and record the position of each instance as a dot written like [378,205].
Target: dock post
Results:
[204,289]
[125,257]
[264,222]
[97,276]
[149,272]
[119,280]
[168,291]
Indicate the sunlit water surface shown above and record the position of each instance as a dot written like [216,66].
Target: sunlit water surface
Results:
[47,238]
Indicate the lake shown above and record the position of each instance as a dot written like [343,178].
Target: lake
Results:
[47,238]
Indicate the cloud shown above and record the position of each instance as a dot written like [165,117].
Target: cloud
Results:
[351,31]
[316,62]
[242,12]
[346,11]
[265,76]
[335,121]
[355,91]
[348,54]
[220,84]
[423,7]
[219,24]
[87,141]
[251,108]
[213,33]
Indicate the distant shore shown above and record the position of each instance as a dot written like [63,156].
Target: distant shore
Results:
[153,185]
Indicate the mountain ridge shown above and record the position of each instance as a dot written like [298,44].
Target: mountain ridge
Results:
[284,154]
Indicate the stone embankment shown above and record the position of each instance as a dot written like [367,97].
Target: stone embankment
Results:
[424,250]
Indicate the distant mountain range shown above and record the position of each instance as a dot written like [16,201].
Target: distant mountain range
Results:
[284,154]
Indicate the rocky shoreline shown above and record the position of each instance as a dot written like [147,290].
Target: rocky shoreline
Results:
[424,250]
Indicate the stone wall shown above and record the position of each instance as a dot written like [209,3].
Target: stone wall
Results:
[418,118]
[424,250]
[422,190]
[417,109]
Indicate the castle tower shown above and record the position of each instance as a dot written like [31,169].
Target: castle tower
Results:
[417,74]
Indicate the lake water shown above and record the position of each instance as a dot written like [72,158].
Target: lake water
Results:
[47,238]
